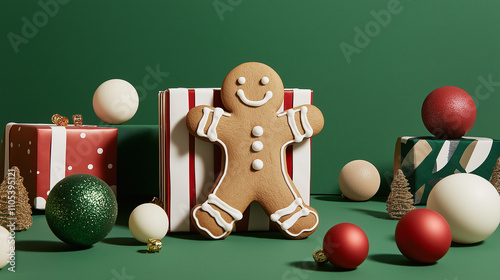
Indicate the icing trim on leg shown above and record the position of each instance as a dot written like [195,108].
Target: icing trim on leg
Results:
[213,199]
[287,224]
[286,211]
[227,227]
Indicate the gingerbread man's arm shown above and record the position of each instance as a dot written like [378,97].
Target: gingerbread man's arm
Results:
[202,122]
[304,121]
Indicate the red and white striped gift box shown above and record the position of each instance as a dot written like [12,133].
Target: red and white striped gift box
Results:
[189,166]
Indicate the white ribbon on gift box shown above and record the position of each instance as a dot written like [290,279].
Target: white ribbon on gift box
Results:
[57,155]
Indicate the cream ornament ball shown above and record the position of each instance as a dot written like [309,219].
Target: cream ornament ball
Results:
[4,246]
[147,221]
[469,203]
[115,101]
[359,180]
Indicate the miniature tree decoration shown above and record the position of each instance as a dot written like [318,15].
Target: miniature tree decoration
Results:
[495,176]
[15,211]
[400,200]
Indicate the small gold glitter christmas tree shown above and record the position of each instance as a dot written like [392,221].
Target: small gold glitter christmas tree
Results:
[495,176]
[400,200]
[15,211]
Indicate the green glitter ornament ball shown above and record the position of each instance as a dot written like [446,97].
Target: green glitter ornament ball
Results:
[81,209]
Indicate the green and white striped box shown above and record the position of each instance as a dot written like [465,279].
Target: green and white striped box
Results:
[426,160]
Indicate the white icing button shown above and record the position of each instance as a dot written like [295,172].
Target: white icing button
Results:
[257,164]
[100,151]
[257,131]
[241,80]
[264,80]
[257,146]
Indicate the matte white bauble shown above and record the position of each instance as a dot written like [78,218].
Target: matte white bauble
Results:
[115,101]
[147,221]
[4,246]
[469,203]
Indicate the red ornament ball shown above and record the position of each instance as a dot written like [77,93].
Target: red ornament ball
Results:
[448,112]
[345,245]
[423,235]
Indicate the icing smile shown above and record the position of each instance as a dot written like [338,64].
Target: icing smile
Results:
[252,103]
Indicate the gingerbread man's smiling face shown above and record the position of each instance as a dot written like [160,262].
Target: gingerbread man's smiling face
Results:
[252,85]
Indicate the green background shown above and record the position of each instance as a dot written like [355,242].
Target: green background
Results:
[367,102]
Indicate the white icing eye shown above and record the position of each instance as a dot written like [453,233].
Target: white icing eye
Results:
[264,80]
[241,80]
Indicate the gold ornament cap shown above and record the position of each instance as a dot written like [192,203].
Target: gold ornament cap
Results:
[319,256]
[154,245]
[157,202]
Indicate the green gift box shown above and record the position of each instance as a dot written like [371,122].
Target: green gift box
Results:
[426,160]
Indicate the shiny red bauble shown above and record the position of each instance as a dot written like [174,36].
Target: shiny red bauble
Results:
[345,245]
[448,112]
[423,235]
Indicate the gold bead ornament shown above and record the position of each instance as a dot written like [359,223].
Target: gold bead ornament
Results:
[154,245]
[59,120]
[77,120]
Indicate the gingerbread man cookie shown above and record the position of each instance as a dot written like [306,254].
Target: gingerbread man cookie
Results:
[253,138]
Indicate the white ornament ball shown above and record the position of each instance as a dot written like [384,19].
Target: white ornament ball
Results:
[4,246]
[469,203]
[147,221]
[359,180]
[115,101]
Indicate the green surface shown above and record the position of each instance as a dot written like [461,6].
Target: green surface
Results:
[245,256]
[156,44]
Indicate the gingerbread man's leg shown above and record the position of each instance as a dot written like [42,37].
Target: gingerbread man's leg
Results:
[293,217]
[208,217]
[214,218]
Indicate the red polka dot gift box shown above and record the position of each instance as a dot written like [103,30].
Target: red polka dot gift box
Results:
[45,154]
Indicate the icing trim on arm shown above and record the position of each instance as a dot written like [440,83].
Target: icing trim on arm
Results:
[308,131]
[212,129]
[245,100]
